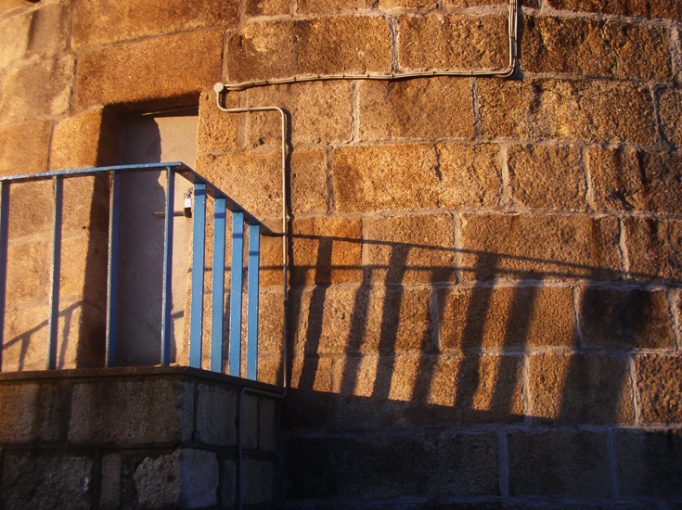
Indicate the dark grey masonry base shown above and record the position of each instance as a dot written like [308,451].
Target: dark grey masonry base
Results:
[146,437]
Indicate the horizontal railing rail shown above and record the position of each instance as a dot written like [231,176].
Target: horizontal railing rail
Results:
[223,204]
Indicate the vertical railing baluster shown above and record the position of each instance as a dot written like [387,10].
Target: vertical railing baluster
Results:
[236,293]
[53,321]
[166,293]
[252,303]
[4,228]
[112,270]
[197,295]
[219,224]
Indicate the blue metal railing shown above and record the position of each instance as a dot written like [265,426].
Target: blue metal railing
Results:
[222,204]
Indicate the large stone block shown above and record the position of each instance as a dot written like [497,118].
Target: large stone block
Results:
[539,247]
[100,22]
[658,384]
[268,7]
[253,179]
[506,318]
[46,480]
[48,30]
[24,147]
[36,88]
[31,413]
[309,181]
[186,478]
[568,110]
[10,5]
[589,47]
[14,35]
[110,481]
[631,180]
[259,482]
[643,8]
[422,108]
[394,466]
[670,110]
[470,175]
[25,337]
[327,250]
[650,463]
[391,177]
[218,131]
[318,112]
[28,272]
[397,4]
[216,408]
[343,44]
[625,319]
[580,389]
[76,141]
[547,177]
[653,248]
[179,64]
[406,249]
[453,41]
[558,463]
[131,412]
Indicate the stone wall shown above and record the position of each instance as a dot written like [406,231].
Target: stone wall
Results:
[484,306]
[135,438]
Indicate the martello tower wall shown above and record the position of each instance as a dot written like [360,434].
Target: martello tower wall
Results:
[484,305]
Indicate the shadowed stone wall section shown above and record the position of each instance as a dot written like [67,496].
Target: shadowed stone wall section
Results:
[134,438]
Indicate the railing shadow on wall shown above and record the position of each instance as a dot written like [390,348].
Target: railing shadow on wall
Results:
[352,375]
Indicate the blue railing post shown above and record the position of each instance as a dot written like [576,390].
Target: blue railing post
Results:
[4,228]
[166,292]
[197,294]
[252,303]
[112,270]
[53,321]
[236,293]
[219,225]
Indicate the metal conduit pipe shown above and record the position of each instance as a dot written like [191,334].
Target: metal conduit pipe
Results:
[506,72]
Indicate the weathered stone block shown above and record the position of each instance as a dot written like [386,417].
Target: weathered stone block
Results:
[391,177]
[589,47]
[22,99]
[215,421]
[250,421]
[27,272]
[253,179]
[470,175]
[422,108]
[580,388]
[643,8]
[21,153]
[539,247]
[218,131]
[328,6]
[48,30]
[119,412]
[343,44]
[267,425]
[505,318]
[327,250]
[76,141]
[186,478]
[45,480]
[31,413]
[653,248]
[405,249]
[14,35]
[569,110]
[228,483]
[10,5]
[259,482]
[25,347]
[180,64]
[396,4]
[558,463]
[309,181]
[631,180]
[547,177]
[268,7]
[110,482]
[319,112]
[100,22]
[658,384]
[670,110]
[625,319]
[650,463]
[453,41]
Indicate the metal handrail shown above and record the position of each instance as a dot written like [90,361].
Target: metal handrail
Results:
[202,189]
